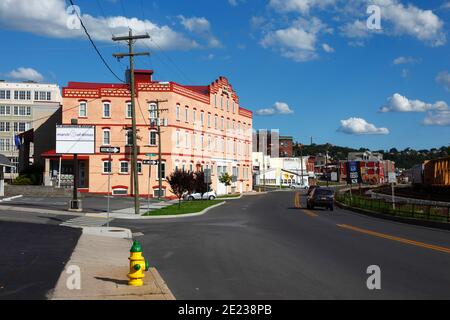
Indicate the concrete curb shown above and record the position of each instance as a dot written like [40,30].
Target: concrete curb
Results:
[187,215]
[231,198]
[112,232]
[38,210]
[412,221]
[103,266]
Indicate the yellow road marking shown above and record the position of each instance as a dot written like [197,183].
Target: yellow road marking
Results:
[310,213]
[398,239]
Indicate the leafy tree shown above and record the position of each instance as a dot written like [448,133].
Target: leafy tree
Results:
[199,183]
[226,179]
[180,182]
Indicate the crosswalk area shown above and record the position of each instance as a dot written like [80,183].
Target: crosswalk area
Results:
[86,222]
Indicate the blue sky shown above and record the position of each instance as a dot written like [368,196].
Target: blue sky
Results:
[311,68]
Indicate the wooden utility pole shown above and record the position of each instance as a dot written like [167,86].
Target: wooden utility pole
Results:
[131,39]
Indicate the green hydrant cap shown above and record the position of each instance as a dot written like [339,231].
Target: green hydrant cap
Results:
[136,247]
[137,267]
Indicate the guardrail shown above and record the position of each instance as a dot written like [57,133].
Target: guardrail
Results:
[402,209]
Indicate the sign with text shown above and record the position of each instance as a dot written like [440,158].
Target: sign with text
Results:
[150,162]
[75,139]
[392,178]
[109,150]
[353,172]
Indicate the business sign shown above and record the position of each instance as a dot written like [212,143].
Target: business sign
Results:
[109,150]
[353,172]
[75,139]
[334,176]
[392,178]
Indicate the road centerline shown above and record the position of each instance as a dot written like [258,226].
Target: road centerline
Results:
[398,239]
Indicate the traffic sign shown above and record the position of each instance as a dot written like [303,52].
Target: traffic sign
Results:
[151,154]
[109,149]
[150,162]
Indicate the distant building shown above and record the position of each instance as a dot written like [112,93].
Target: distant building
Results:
[286,147]
[365,156]
[272,144]
[25,106]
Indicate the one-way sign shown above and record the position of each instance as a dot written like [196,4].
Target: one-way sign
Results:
[150,162]
[109,149]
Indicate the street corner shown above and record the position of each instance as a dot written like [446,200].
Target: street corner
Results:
[98,270]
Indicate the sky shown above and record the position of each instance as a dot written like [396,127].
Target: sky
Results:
[357,73]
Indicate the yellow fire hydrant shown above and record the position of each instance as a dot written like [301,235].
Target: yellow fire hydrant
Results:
[138,264]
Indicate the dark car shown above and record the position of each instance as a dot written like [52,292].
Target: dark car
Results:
[321,197]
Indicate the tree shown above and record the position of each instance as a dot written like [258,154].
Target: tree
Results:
[180,182]
[226,179]
[199,183]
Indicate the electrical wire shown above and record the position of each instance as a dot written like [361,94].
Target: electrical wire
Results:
[94,45]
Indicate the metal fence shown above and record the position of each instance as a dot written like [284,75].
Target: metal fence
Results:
[402,209]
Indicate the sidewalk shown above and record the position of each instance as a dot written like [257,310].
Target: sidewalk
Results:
[103,263]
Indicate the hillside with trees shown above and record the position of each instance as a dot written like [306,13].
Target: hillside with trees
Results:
[403,158]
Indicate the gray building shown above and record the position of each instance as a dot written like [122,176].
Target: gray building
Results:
[24,107]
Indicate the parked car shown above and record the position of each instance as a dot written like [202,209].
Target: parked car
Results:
[321,197]
[298,186]
[198,196]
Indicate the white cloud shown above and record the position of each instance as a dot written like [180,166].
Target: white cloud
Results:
[359,126]
[356,29]
[437,118]
[399,103]
[301,6]
[446,5]
[202,27]
[25,74]
[49,18]
[443,78]
[405,60]
[278,108]
[297,42]
[327,48]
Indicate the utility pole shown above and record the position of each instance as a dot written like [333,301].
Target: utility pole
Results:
[131,39]
[158,125]
[301,163]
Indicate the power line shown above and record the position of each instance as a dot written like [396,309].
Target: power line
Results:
[95,47]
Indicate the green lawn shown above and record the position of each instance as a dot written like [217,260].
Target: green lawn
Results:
[186,207]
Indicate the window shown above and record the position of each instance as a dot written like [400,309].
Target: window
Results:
[124,167]
[28,95]
[128,110]
[139,167]
[153,111]
[153,135]
[129,137]
[202,115]
[28,111]
[234,107]
[201,142]
[156,193]
[119,192]
[221,102]
[194,116]
[194,141]
[186,114]
[228,106]
[215,100]
[162,174]
[5,110]
[186,141]
[5,126]
[42,95]
[106,137]
[20,126]
[49,96]
[5,94]
[209,120]
[82,110]
[16,95]
[106,166]
[5,144]
[178,113]
[222,124]
[216,122]
[106,110]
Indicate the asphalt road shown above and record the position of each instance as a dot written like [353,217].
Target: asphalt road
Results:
[33,255]
[260,247]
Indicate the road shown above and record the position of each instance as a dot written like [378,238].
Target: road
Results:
[33,255]
[260,247]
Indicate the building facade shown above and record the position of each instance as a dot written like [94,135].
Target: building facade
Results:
[286,147]
[205,128]
[24,106]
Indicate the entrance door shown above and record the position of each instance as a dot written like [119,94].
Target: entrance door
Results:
[82,175]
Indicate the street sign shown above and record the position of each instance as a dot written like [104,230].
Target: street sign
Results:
[353,172]
[151,154]
[109,150]
[150,162]
[392,178]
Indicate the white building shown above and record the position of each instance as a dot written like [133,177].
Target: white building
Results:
[279,171]
[24,106]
